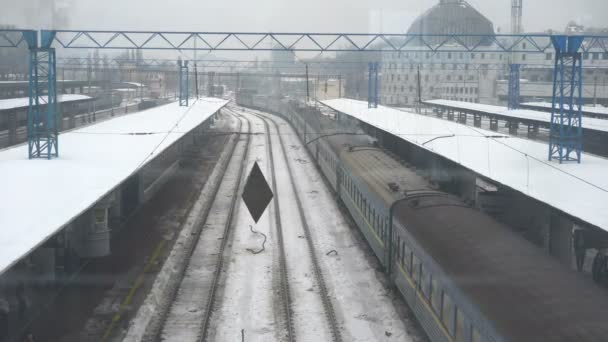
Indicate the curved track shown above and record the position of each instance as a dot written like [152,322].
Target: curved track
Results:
[323,292]
[191,303]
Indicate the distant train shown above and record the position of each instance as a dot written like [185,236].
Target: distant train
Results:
[466,276]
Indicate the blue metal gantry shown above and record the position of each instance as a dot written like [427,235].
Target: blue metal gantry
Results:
[566,132]
[373,86]
[42,119]
[514,97]
[184,83]
[565,138]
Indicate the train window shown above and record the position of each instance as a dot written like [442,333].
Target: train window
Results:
[461,332]
[398,250]
[447,313]
[435,295]
[408,259]
[475,336]
[416,270]
[425,281]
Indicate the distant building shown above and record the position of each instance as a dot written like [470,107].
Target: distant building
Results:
[448,75]
[473,76]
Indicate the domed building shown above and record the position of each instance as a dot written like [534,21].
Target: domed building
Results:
[445,75]
[453,16]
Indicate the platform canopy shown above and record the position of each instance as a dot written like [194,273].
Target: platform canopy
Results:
[40,197]
[579,190]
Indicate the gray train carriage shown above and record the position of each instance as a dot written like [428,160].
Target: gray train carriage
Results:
[466,276]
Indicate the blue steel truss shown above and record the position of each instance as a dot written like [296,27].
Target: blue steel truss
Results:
[372,88]
[565,123]
[566,135]
[169,64]
[514,97]
[16,38]
[317,42]
[184,83]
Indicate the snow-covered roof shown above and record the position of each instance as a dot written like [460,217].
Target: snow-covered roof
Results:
[587,109]
[580,190]
[23,102]
[526,114]
[42,196]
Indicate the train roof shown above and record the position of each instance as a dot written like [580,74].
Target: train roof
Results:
[526,294]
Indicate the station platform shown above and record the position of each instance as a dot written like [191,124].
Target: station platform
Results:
[579,190]
[541,118]
[42,196]
[597,112]
[23,102]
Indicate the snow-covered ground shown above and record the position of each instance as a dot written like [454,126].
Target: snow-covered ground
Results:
[186,314]
[246,301]
[363,307]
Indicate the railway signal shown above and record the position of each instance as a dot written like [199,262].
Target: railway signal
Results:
[257,193]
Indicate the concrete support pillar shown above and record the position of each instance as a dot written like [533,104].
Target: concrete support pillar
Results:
[450,115]
[494,124]
[115,215]
[477,120]
[560,239]
[462,118]
[72,120]
[532,130]
[12,127]
[44,260]
[467,184]
[513,127]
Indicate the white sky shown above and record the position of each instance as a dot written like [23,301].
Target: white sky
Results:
[286,15]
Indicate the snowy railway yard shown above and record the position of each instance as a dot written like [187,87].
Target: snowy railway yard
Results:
[299,274]
[167,177]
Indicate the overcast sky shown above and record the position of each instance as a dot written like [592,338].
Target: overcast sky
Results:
[285,15]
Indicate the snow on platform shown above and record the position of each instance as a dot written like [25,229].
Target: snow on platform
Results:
[580,190]
[23,102]
[40,196]
[599,111]
[524,114]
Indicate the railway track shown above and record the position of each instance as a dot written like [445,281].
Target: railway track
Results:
[328,308]
[187,315]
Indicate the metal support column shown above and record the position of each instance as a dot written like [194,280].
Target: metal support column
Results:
[42,125]
[372,89]
[184,83]
[514,91]
[566,133]
[211,84]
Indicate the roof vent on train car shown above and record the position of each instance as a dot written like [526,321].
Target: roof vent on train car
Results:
[393,186]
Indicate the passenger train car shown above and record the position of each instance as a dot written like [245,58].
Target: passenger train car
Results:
[466,276]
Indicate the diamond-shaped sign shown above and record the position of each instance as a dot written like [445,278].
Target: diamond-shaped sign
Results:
[256,194]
